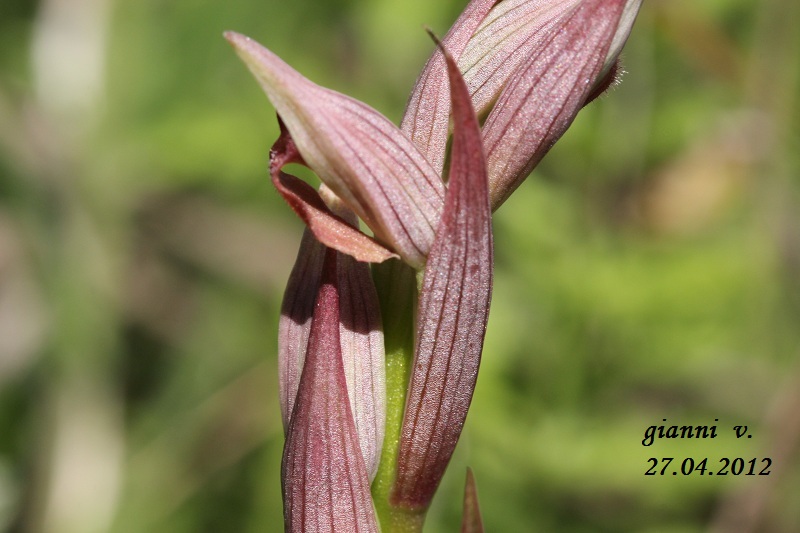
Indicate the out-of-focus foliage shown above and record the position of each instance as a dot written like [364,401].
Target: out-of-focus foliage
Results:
[649,270]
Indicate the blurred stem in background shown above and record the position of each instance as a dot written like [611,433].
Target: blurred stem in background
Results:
[772,88]
[80,452]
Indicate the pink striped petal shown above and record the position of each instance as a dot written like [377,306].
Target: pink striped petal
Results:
[546,92]
[365,159]
[426,120]
[325,481]
[360,333]
[453,310]
[503,42]
[361,339]
[295,322]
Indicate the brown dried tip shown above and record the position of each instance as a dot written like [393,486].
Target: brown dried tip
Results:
[471,518]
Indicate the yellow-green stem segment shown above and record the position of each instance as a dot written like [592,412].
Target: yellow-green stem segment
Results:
[396,284]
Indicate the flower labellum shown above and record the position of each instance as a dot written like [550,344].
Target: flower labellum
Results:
[328,227]
[325,480]
[360,334]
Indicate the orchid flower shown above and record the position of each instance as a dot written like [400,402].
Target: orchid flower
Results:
[360,408]
[530,66]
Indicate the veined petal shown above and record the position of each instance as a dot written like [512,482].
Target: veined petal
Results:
[361,339]
[365,159]
[329,228]
[505,40]
[453,311]
[324,478]
[471,518]
[426,120]
[295,322]
[545,94]
[360,334]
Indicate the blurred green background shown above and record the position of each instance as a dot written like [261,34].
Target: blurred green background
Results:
[649,269]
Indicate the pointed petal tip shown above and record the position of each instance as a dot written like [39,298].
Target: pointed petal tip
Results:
[432,35]
[325,481]
[471,521]
[237,40]
[268,68]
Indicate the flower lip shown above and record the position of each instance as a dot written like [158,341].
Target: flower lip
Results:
[324,478]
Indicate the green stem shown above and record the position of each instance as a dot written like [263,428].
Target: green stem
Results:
[396,284]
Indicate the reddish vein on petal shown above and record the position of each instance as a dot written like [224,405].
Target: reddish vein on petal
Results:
[364,158]
[453,311]
[426,120]
[545,94]
[360,333]
[325,481]
[504,41]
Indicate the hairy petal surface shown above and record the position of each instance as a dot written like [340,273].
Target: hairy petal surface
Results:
[545,93]
[426,120]
[453,311]
[624,27]
[471,521]
[364,158]
[360,334]
[324,477]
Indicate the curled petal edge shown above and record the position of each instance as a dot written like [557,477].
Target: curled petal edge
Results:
[329,228]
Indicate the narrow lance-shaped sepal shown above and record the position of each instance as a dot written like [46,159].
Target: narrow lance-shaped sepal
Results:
[357,152]
[453,311]
[471,521]
[324,477]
